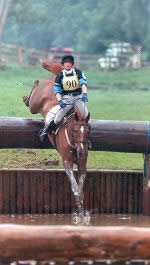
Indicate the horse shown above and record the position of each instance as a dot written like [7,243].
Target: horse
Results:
[71,137]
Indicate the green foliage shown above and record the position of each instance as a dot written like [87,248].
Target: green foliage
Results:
[82,25]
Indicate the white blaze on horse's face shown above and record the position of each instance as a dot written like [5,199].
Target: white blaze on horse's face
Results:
[82,145]
[82,129]
[80,136]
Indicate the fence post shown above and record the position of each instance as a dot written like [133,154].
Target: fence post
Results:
[146,186]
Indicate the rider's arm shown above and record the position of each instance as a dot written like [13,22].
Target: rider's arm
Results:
[82,80]
[83,85]
[58,87]
[84,88]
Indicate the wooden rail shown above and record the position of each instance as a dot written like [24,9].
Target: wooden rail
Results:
[64,243]
[117,136]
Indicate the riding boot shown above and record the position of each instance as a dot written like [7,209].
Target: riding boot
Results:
[51,126]
[89,145]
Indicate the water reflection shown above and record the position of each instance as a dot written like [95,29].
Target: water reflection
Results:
[68,219]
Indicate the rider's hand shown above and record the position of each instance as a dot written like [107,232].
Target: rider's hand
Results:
[85,97]
[62,104]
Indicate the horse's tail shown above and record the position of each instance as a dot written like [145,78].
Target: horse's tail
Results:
[52,66]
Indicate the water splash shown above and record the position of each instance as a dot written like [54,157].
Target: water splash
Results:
[81,219]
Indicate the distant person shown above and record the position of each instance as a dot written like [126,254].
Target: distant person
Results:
[70,83]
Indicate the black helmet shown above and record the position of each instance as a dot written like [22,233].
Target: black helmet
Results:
[67,58]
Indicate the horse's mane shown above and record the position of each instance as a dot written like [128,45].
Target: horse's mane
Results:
[52,66]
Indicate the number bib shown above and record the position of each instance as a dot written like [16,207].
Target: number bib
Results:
[71,82]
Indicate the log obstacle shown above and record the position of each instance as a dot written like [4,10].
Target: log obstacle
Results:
[64,243]
[116,136]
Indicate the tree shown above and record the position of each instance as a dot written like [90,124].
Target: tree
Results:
[84,25]
[4,9]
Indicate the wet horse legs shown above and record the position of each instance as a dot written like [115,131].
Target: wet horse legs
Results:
[74,186]
[81,180]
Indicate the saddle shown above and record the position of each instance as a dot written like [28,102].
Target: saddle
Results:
[60,125]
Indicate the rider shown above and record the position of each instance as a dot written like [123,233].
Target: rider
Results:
[69,84]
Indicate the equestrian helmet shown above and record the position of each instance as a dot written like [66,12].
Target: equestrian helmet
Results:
[67,58]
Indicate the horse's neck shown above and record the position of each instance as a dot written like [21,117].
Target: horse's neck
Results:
[43,98]
[70,124]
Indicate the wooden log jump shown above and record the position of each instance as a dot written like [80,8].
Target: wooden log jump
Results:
[117,136]
[64,243]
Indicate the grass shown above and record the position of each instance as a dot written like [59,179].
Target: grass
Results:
[104,104]
[122,79]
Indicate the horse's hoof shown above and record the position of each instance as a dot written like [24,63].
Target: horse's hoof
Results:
[80,211]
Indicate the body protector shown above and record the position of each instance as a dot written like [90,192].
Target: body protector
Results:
[69,81]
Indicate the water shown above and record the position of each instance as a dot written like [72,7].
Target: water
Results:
[67,219]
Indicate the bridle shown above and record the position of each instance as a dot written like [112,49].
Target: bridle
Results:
[80,123]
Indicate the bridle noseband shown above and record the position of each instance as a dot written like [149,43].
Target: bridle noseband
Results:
[80,123]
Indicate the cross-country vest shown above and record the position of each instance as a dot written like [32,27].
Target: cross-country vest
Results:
[70,83]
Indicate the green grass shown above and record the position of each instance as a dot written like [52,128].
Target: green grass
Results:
[122,79]
[104,104]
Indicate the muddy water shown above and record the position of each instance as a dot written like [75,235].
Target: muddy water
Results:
[93,220]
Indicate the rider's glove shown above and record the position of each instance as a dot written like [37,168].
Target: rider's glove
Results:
[62,104]
[85,97]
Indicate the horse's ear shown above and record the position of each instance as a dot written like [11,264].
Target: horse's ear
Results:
[88,117]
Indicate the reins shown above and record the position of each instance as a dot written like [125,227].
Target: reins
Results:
[68,140]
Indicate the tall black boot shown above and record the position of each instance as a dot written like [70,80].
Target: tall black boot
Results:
[51,126]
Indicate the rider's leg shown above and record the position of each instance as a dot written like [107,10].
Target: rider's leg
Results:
[63,111]
[59,116]
[78,103]
[51,126]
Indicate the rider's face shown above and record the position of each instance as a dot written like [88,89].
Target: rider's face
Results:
[67,65]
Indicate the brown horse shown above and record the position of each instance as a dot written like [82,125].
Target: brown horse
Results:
[71,139]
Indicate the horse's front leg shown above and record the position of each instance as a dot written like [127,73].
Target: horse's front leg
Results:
[81,180]
[74,186]
[27,98]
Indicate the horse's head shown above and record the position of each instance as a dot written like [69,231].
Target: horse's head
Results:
[80,132]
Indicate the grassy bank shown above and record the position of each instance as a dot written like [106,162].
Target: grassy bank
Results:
[109,104]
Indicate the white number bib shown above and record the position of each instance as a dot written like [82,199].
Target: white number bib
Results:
[71,82]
